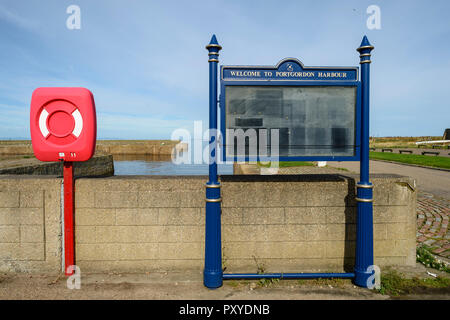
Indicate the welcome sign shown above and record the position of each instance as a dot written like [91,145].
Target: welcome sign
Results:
[288,69]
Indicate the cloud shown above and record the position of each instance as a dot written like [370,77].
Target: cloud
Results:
[17,20]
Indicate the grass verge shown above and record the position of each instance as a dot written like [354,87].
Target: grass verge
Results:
[424,257]
[394,283]
[430,161]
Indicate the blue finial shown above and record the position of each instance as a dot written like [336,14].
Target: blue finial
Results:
[213,40]
[365,46]
[365,42]
[213,44]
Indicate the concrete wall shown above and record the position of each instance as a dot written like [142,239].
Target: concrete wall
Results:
[281,223]
[30,227]
[156,147]
[278,223]
[99,165]
[121,147]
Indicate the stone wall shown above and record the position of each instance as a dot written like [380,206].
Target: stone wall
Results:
[30,224]
[99,165]
[281,223]
[278,223]
[142,147]
[114,147]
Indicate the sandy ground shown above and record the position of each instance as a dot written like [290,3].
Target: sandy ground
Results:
[171,286]
[189,286]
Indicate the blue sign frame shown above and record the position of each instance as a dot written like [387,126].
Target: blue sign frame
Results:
[291,72]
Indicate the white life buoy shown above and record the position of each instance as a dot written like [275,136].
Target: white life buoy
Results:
[78,127]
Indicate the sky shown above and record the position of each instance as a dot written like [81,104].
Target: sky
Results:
[146,64]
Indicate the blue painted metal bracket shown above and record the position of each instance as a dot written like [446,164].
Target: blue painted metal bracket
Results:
[242,276]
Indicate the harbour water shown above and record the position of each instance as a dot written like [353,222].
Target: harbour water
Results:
[163,165]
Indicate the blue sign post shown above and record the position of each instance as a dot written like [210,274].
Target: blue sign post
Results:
[212,273]
[318,114]
[364,196]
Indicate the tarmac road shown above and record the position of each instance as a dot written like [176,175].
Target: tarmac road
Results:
[436,182]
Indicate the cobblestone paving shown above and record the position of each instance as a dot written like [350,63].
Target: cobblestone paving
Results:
[433,215]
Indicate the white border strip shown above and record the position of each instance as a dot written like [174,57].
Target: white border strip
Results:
[43,123]
[78,123]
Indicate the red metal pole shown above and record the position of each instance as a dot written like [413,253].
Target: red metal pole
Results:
[69,251]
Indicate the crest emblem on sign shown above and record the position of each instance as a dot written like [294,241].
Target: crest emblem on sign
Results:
[289,67]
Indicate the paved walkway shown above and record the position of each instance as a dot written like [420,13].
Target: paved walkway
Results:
[433,214]
[436,182]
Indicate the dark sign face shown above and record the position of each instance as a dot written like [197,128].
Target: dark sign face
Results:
[312,119]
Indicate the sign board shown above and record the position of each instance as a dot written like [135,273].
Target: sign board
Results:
[312,113]
[63,124]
